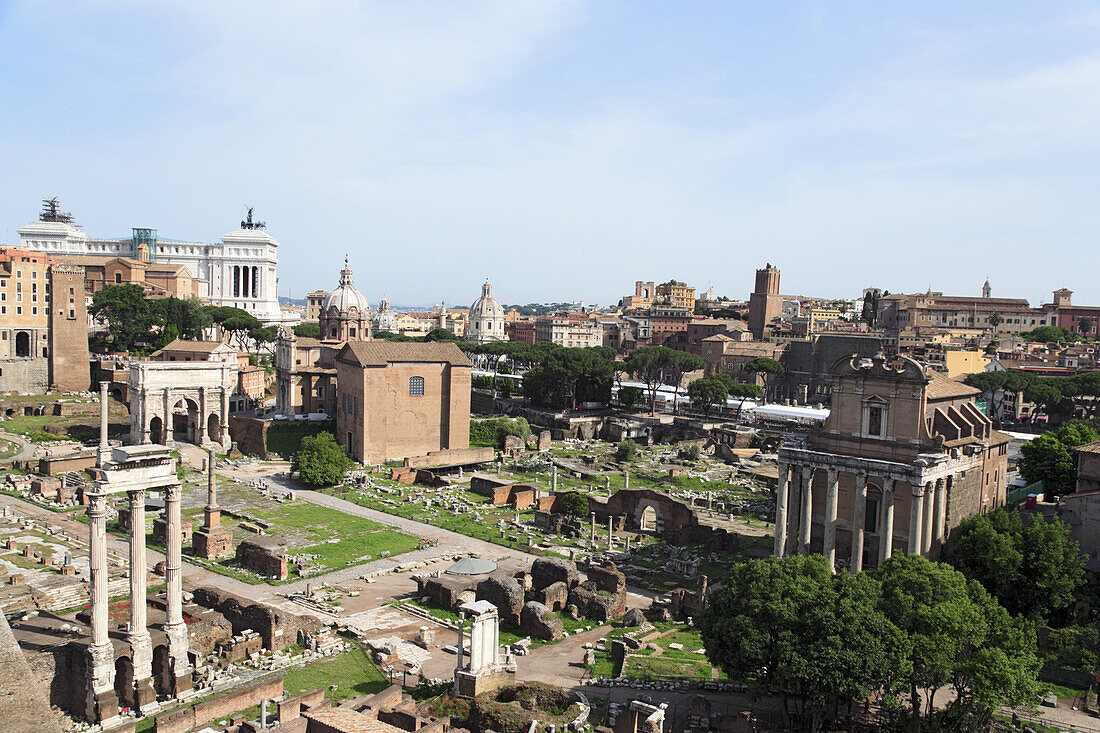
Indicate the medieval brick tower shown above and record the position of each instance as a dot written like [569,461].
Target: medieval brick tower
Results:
[765,302]
[68,329]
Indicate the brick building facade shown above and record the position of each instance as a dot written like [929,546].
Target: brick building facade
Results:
[398,400]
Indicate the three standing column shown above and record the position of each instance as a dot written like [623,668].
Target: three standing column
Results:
[831,490]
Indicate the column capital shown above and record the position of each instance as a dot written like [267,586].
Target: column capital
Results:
[97,505]
[173,492]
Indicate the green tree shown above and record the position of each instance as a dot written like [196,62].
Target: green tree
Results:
[573,503]
[957,635]
[707,393]
[1032,570]
[1084,325]
[738,389]
[626,450]
[440,334]
[1050,457]
[680,363]
[320,461]
[650,364]
[788,626]
[1051,335]
[565,377]
[189,316]
[995,319]
[130,318]
[630,396]
[766,367]
[308,330]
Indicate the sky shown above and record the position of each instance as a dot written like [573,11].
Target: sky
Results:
[564,149]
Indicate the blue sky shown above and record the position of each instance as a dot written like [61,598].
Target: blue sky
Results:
[566,149]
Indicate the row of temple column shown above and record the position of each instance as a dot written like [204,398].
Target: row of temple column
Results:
[927,514]
[101,663]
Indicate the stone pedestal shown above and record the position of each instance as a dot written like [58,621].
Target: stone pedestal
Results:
[101,703]
[212,543]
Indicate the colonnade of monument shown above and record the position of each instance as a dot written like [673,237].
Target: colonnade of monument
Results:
[927,514]
[133,472]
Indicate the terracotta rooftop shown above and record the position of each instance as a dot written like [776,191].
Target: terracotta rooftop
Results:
[196,347]
[942,388]
[350,721]
[380,353]
[1089,447]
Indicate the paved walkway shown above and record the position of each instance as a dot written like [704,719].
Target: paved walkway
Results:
[27,448]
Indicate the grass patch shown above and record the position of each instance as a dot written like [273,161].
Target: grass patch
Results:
[358,537]
[352,672]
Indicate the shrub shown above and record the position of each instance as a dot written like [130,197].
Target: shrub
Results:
[689,453]
[491,432]
[321,461]
[630,396]
[574,503]
[626,450]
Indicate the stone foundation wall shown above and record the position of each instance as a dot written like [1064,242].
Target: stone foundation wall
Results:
[25,375]
[278,628]
[181,720]
[249,434]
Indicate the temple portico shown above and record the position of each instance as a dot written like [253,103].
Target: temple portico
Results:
[825,497]
[903,457]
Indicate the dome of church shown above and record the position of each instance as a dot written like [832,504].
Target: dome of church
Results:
[346,296]
[486,306]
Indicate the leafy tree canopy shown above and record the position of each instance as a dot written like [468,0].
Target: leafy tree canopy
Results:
[320,461]
[1032,570]
[308,330]
[1050,457]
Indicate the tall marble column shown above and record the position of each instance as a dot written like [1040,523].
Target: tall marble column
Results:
[916,518]
[104,449]
[939,514]
[174,626]
[102,703]
[806,521]
[886,531]
[610,531]
[831,490]
[141,645]
[781,491]
[926,528]
[859,518]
